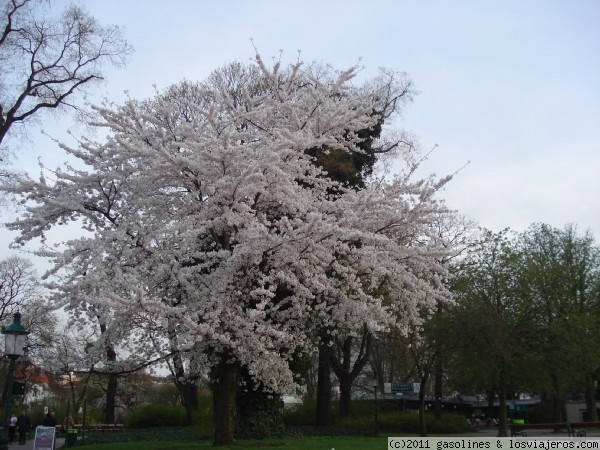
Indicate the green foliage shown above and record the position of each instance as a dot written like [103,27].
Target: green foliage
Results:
[164,434]
[261,424]
[301,415]
[204,415]
[296,443]
[61,408]
[527,309]
[164,393]
[448,424]
[362,419]
[405,422]
[541,413]
[258,412]
[156,415]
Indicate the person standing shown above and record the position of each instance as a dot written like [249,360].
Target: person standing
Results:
[23,425]
[68,423]
[12,427]
[49,420]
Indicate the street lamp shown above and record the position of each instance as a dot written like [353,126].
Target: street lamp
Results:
[375,389]
[15,339]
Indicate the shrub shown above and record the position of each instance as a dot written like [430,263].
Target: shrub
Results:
[155,415]
[362,418]
[449,424]
[305,414]
[407,423]
[300,415]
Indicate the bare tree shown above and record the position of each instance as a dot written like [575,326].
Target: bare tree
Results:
[45,60]
[18,284]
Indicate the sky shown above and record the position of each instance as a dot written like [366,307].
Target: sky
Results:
[511,89]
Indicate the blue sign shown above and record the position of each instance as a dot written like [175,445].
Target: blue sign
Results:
[44,438]
[405,387]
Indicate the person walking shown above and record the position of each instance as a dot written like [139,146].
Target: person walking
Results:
[12,427]
[23,425]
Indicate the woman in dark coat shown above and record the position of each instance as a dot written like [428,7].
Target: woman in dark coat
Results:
[23,425]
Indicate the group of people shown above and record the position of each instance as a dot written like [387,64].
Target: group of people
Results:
[22,425]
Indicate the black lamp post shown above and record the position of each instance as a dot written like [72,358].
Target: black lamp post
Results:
[15,339]
[375,389]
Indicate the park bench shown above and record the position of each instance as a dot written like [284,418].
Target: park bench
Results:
[101,427]
[574,432]
[520,429]
[579,425]
[105,427]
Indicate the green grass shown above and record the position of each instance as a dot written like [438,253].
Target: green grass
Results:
[296,443]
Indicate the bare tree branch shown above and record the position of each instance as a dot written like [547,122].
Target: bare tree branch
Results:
[46,61]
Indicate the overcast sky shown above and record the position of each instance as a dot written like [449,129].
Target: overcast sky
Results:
[513,87]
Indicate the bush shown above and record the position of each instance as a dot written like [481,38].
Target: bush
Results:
[449,424]
[155,415]
[304,414]
[406,422]
[146,434]
[362,418]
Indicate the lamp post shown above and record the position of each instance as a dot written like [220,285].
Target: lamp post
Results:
[375,389]
[15,338]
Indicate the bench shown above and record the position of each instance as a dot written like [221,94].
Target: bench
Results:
[106,427]
[574,429]
[519,429]
[579,425]
[101,427]
[574,432]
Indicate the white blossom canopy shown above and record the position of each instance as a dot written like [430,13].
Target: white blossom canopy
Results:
[213,217]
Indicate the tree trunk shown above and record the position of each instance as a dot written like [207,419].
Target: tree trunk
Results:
[503,414]
[323,412]
[491,396]
[111,389]
[558,403]
[590,401]
[189,397]
[346,372]
[225,384]
[188,391]
[422,418]
[438,388]
[341,367]
[558,408]
[311,382]
[111,395]
[345,395]
[439,369]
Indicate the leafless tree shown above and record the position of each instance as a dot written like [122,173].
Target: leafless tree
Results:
[18,284]
[45,60]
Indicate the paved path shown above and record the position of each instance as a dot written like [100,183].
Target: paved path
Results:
[29,444]
[483,432]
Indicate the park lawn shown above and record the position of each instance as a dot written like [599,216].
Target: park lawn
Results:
[295,443]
